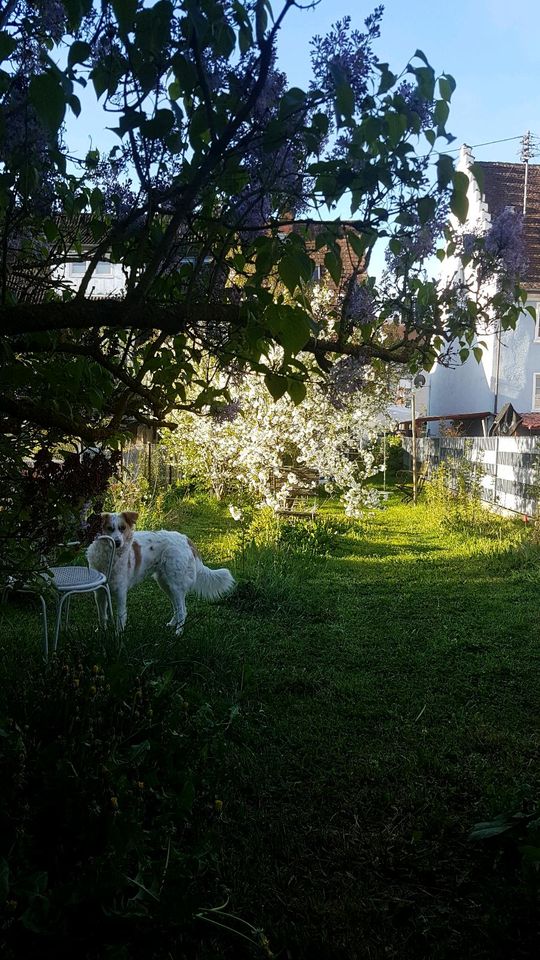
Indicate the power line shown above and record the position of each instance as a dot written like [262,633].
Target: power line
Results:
[487,143]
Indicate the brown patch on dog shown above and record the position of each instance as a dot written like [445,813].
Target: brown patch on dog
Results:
[130,518]
[137,551]
[193,549]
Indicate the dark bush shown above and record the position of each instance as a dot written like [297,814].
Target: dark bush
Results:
[105,811]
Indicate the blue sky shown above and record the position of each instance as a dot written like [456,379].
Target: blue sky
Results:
[491,47]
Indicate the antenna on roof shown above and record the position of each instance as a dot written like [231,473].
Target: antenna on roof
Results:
[529,148]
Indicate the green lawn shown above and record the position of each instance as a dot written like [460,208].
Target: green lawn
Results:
[380,689]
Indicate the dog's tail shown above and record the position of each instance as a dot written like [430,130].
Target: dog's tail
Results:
[212,584]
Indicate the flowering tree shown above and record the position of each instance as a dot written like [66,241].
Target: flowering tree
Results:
[255,445]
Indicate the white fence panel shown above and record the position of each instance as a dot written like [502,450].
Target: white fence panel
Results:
[508,467]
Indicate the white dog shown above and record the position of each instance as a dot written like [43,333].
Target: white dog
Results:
[171,558]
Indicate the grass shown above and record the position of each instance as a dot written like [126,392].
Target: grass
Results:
[381,686]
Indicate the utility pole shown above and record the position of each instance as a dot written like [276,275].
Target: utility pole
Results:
[529,149]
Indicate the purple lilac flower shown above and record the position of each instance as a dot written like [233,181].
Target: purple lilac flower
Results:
[416,103]
[227,413]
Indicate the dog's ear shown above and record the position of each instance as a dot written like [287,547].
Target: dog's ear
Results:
[130,518]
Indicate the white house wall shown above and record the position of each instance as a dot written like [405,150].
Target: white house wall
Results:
[504,375]
[519,361]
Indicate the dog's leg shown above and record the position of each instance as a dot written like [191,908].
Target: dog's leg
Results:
[121,608]
[102,607]
[178,603]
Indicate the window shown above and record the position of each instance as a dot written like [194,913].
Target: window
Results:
[536,392]
[77,269]
[318,273]
[535,305]
[103,269]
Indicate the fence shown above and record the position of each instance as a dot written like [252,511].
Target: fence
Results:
[507,468]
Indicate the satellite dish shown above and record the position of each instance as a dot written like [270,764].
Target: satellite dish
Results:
[419,380]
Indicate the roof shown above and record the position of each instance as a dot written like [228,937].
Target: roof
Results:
[531,421]
[444,416]
[503,185]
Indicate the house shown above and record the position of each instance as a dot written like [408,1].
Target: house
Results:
[73,245]
[474,394]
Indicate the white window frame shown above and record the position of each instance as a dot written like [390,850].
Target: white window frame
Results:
[535,406]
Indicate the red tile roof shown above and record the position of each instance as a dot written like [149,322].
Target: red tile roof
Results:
[504,186]
[531,421]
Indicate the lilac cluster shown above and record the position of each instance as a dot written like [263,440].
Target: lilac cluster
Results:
[359,304]
[420,240]
[346,378]
[504,241]
[347,53]
[273,89]
[416,103]
[52,17]
[227,413]
[250,211]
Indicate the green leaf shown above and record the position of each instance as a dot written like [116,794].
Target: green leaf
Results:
[51,231]
[294,330]
[275,385]
[48,98]
[441,112]
[124,11]
[420,55]
[491,828]
[76,10]
[478,353]
[7,45]
[245,38]
[292,101]
[445,170]
[387,80]
[459,203]
[426,208]
[79,52]
[358,242]
[344,100]
[289,271]
[296,390]
[333,265]
[159,125]
[447,85]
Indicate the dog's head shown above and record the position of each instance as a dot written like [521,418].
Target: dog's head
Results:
[119,526]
